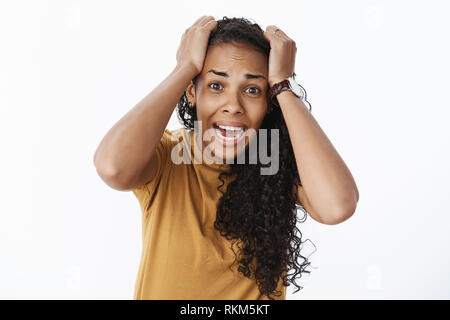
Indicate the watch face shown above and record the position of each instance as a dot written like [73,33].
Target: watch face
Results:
[295,87]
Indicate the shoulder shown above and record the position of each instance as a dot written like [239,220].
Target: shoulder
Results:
[169,140]
[174,136]
[163,165]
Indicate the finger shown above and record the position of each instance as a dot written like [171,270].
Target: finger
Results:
[273,29]
[273,38]
[212,24]
[201,21]
[277,31]
[197,22]
[204,21]
[268,34]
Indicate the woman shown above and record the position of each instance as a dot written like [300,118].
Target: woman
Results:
[202,215]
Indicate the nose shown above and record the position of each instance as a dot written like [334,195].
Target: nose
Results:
[233,105]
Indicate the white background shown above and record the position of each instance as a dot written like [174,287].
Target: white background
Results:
[376,74]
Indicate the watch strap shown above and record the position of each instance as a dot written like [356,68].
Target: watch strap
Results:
[276,89]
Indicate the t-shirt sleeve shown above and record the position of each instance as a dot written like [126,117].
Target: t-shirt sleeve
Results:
[146,192]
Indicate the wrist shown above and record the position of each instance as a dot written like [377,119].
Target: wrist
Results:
[186,69]
[275,81]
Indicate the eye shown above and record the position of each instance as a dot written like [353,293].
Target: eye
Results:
[257,89]
[212,84]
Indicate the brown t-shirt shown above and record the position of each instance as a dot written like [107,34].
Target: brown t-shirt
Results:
[183,256]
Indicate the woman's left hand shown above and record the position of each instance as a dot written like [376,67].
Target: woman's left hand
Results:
[282,55]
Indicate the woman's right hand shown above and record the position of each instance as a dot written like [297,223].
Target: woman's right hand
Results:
[192,50]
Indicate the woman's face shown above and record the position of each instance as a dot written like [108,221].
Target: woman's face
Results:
[231,91]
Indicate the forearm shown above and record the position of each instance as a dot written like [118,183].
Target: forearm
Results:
[131,142]
[326,180]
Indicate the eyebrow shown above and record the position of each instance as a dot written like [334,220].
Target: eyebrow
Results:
[247,75]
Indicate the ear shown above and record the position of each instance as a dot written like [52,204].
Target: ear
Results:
[190,93]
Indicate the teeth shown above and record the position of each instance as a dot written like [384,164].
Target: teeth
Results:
[231,128]
[238,135]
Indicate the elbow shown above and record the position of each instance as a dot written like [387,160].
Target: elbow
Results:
[336,211]
[343,213]
[111,175]
[346,209]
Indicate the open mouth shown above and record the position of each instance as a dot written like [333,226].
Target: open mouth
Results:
[229,134]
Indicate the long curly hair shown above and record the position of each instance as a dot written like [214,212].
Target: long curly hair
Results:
[264,230]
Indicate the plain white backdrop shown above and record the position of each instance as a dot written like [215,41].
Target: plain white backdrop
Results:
[376,74]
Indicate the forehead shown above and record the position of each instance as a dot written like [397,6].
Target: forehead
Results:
[235,58]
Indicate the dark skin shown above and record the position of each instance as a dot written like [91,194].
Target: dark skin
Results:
[232,98]
[126,157]
[329,193]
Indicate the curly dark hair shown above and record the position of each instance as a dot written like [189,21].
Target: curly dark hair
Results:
[264,230]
